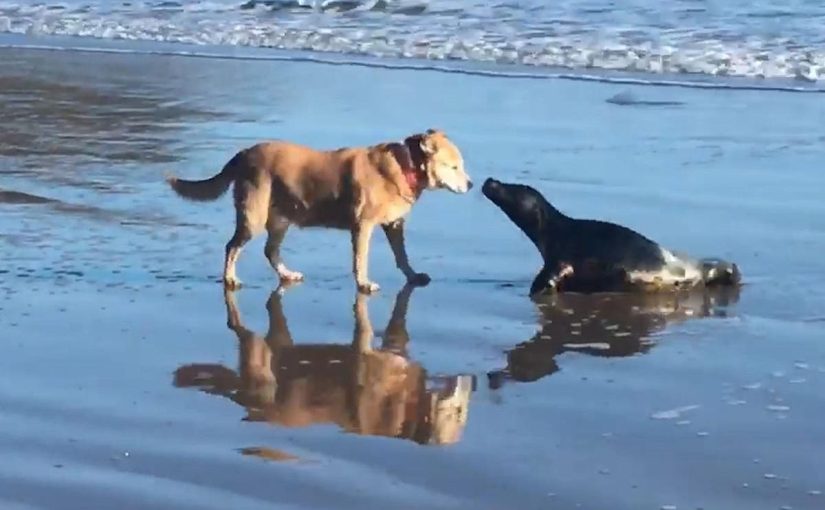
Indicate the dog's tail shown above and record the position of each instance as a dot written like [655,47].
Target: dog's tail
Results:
[207,189]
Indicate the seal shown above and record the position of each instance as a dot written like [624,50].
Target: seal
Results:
[584,255]
[605,325]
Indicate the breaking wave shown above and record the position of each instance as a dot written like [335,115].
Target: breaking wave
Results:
[681,37]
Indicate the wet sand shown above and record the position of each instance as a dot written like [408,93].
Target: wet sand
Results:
[121,385]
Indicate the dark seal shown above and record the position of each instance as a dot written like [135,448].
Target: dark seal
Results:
[583,255]
[606,325]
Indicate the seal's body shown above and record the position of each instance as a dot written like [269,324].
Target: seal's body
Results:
[585,255]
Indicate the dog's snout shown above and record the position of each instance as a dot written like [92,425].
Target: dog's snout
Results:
[469,185]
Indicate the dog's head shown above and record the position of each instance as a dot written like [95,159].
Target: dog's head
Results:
[442,161]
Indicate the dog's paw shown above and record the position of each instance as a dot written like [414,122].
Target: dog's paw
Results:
[288,276]
[418,279]
[285,285]
[231,284]
[368,287]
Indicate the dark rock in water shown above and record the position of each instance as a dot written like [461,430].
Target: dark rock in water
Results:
[627,98]
[252,4]
[412,10]
[18,197]
[341,5]
[381,6]
[275,5]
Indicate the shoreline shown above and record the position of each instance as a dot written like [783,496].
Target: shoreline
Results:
[462,67]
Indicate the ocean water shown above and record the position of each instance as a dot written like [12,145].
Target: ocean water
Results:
[763,39]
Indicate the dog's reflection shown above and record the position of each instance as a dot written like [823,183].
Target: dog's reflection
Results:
[358,388]
[607,325]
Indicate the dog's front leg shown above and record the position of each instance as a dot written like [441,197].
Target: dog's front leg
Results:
[361,235]
[395,236]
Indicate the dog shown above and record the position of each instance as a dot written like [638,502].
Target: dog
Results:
[582,255]
[361,389]
[613,325]
[280,183]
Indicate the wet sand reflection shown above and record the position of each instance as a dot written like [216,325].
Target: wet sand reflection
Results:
[59,124]
[361,389]
[605,325]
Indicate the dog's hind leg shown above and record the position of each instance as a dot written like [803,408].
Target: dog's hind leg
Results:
[277,227]
[251,213]
[233,251]
[361,235]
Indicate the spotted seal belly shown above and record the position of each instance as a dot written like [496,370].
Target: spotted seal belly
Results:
[684,270]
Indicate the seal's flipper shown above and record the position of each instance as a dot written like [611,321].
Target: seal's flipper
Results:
[719,272]
[549,278]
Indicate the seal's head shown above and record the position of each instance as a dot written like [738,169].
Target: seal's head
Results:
[525,206]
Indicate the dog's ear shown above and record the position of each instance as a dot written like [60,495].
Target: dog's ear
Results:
[416,141]
[435,131]
[427,143]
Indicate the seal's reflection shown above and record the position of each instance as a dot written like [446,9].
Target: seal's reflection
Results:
[360,389]
[607,325]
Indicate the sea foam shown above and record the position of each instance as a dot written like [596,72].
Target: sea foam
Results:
[635,38]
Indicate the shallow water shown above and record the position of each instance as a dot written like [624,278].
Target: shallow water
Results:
[122,385]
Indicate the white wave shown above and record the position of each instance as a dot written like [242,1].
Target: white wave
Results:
[672,414]
[525,33]
[91,46]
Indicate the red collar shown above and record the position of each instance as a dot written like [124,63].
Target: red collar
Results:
[411,159]
[414,178]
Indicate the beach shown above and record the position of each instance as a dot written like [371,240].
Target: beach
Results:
[121,384]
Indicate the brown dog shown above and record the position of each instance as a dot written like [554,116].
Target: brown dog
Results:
[362,389]
[281,183]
